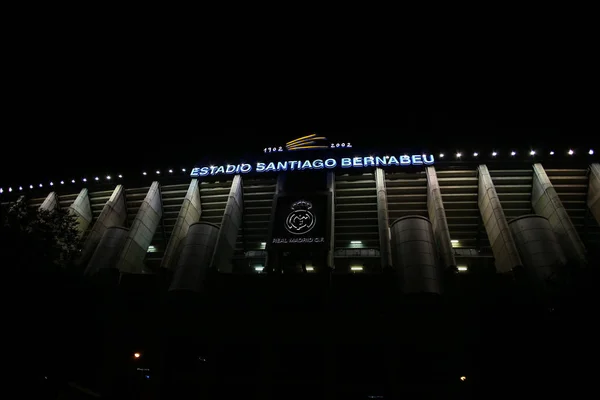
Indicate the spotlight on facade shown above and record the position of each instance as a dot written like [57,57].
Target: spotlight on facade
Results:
[62,182]
[571,152]
[9,189]
[41,185]
[170,171]
[441,155]
[144,173]
[356,268]
[30,186]
[157,172]
[259,268]
[51,183]
[551,153]
[513,153]
[120,176]
[108,177]
[96,178]
[494,154]
[1,190]
[356,242]
[310,269]
[263,245]
[182,169]
[591,152]
[532,153]
[72,180]
[454,243]
[84,179]
[20,187]
[458,155]
[462,268]
[475,154]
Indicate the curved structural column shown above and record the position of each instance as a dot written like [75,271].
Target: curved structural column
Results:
[195,258]
[141,232]
[230,226]
[383,219]
[437,215]
[540,250]
[82,210]
[503,245]
[107,252]
[50,203]
[114,213]
[546,203]
[188,214]
[593,200]
[414,255]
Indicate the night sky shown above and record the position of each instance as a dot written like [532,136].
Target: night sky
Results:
[107,141]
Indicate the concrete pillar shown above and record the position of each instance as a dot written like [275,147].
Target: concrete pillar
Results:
[194,262]
[593,200]
[82,210]
[51,202]
[141,232]
[188,214]
[503,245]
[107,252]
[538,246]
[546,203]
[383,219]
[272,256]
[415,255]
[230,226]
[437,215]
[331,212]
[114,213]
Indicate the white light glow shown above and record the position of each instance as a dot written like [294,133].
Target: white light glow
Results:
[356,242]
[170,171]
[475,154]
[20,187]
[309,269]
[441,155]
[151,249]
[571,152]
[591,152]
[551,153]
[41,185]
[62,182]
[108,177]
[10,189]
[120,176]
[157,172]
[51,184]
[72,180]
[494,154]
[532,153]
[96,178]
[462,268]
[513,153]
[30,186]
[356,268]
[182,169]
[144,173]
[454,241]
[458,155]
[259,268]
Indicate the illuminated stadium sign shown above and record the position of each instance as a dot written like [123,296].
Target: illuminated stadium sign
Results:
[309,142]
[316,164]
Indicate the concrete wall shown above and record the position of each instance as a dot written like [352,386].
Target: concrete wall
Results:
[538,246]
[593,200]
[188,214]
[50,203]
[546,203]
[503,245]
[383,219]
[437,216]
[82,210]
[107,252]
[114,213]
[143,228]
[196,256]
[230,226]
[414,254]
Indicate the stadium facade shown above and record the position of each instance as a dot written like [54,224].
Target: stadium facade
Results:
[313,206]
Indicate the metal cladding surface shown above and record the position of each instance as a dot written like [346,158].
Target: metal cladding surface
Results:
[414,255]
[538,246]
[108,250]
[196,255]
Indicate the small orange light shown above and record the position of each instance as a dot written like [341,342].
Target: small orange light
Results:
[137,355]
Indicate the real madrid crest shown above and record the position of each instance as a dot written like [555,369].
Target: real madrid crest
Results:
[300,220]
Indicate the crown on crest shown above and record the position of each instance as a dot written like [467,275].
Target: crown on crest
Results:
[301,205]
